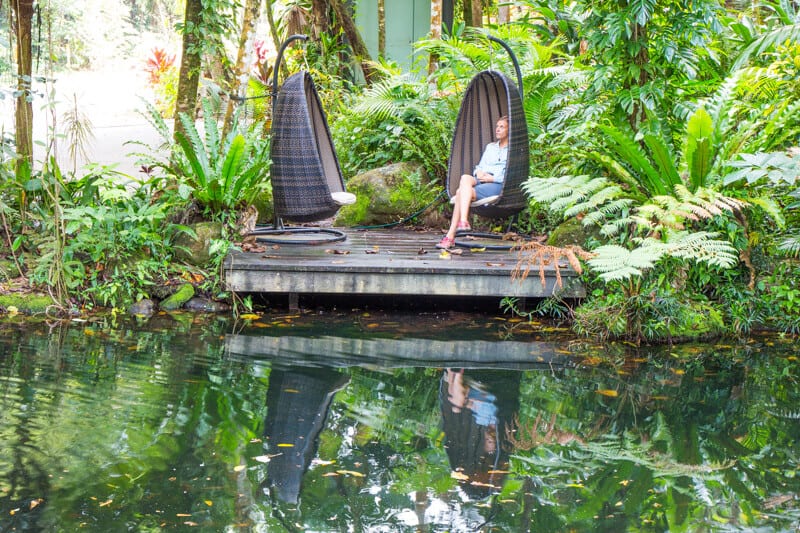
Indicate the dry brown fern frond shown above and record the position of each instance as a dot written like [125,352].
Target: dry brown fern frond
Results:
[532,254]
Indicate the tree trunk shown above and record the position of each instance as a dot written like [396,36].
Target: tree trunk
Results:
[22,26]
[243,60]
[381,28]
[273,28]
[503,14]
[345,21]
[436,30]
[319,18]
[189,77]
[477,13]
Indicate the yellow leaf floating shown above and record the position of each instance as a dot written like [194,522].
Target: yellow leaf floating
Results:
[208,502]
[350,473]
[250,316]
[608,392]
[285,445]
[238,468]
[459,476]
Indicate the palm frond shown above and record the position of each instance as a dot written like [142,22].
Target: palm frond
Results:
[778,36]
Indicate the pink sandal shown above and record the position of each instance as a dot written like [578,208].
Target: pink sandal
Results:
[446,243]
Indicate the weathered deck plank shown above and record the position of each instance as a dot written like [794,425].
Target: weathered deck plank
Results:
[389,261]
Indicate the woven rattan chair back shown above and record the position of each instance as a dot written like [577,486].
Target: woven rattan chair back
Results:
[305,169]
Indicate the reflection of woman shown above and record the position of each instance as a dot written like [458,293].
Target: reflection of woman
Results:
[485,181]
[475,411]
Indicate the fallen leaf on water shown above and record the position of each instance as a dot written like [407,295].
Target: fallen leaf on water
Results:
[293,391]
[208,502]
[35,503]
[608,392]
[190,523]
[183,515]
[322,462]
[350,473]
[105,503]
[459,475]
[238,468]
[285,445]
[678,371]
[250,316]
[373,326]
[330,474]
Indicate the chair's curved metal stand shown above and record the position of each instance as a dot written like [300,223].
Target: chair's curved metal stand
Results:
[307,183]
[489,96]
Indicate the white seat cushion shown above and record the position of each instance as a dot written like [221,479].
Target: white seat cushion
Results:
[482,201]
[343,198]
[485,201]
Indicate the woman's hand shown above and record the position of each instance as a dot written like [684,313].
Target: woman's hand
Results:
[484,177]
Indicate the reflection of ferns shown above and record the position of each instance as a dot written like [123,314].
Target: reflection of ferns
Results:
[629,448]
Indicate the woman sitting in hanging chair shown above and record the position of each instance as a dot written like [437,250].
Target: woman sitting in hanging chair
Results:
[485,182]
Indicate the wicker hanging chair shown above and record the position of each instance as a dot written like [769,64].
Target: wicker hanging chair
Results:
[489,96]
[307,183]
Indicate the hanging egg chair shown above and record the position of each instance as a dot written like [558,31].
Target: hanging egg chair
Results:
[489,96]
[307,183]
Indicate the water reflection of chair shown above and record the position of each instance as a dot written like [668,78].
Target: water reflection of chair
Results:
[477,406]
[297,407]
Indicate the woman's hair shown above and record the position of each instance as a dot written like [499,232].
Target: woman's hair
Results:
[504,117]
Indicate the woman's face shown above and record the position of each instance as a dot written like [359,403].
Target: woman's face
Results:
[501,130]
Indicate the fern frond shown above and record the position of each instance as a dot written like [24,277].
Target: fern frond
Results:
[702,246]
[615,263]
[613,208]
[595,202]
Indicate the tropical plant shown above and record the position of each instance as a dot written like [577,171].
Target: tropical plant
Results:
[107,239]
[220,173]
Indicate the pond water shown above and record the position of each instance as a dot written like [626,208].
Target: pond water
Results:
[389,423]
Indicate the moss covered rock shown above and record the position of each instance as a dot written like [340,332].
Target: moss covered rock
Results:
[195,250]
[384,195]
[29,304]
[571,232]
[184,293]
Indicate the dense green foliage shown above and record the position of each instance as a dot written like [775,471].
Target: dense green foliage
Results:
[667,128]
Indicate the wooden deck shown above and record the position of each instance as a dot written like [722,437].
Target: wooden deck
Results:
[391,262]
